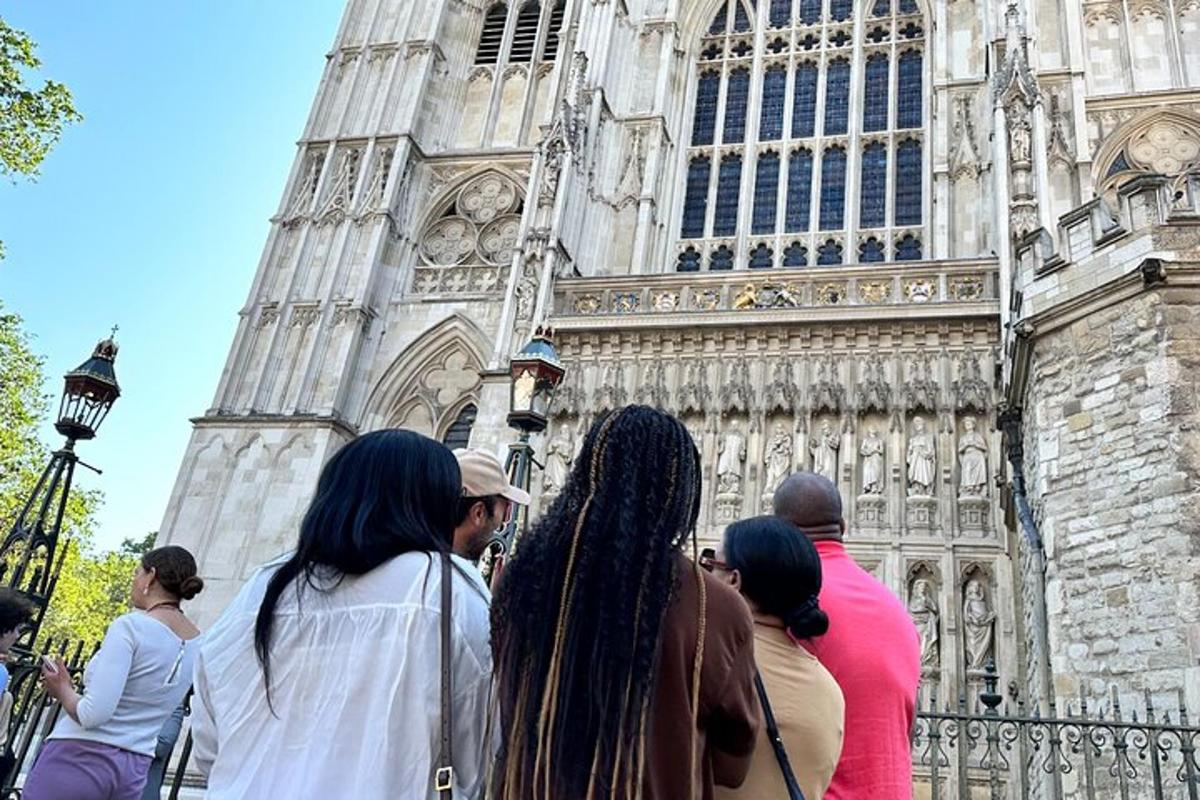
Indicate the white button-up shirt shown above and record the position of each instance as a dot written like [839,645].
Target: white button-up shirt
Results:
[356,688]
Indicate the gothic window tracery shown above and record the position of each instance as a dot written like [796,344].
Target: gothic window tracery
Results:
[1166,143]
[471,238]
[810,115]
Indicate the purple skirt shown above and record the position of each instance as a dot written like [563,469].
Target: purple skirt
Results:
[76,769]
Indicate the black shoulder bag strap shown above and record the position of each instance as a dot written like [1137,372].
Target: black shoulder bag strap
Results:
[443,780]
[785,766]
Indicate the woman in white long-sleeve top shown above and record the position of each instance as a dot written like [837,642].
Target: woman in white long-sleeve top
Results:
[104,741]
[323,678]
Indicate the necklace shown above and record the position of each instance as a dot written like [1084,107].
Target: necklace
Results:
[166,603]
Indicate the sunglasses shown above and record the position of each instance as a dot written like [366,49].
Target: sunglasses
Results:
[709,561]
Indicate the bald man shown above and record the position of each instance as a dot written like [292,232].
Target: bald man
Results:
[872,649]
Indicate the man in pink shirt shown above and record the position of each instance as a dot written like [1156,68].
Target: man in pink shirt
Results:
[872,649]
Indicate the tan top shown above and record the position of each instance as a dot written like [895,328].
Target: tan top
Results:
[809,710]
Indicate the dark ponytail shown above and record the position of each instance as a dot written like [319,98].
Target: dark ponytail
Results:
[780,571]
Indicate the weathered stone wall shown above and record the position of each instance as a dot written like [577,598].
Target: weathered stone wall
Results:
[1112,460]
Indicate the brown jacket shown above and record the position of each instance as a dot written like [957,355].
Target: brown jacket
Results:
[729,718]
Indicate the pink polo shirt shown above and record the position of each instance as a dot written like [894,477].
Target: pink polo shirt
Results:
[873,651]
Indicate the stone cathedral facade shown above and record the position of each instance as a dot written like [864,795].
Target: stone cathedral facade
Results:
[944,253]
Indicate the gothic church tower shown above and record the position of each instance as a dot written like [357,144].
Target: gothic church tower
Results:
[813,229]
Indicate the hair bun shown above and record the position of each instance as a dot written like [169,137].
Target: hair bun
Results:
[807,619]
[190,587]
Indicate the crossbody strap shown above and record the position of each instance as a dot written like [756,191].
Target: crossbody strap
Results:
[785,766]
[444,777]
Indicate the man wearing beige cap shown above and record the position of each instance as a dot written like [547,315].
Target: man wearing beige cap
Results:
[486,504]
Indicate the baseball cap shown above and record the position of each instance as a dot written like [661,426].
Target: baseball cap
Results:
[483,476]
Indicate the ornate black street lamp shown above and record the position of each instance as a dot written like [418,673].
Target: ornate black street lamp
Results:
[30,557]
[535,373]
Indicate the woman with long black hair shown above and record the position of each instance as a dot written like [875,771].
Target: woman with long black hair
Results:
[623,670]
[778,571]
[323,679]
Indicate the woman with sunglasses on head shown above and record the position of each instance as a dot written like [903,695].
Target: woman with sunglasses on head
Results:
[104,741]
[778,572]
[622,669]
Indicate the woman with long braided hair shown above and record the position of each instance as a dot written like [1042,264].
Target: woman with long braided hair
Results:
[623,670]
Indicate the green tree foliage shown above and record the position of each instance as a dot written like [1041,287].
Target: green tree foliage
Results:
[31,120]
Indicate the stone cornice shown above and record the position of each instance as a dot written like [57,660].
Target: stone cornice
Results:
[214,419]
[876,292]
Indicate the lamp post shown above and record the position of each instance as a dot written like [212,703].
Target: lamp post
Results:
[30,556]
[535,374]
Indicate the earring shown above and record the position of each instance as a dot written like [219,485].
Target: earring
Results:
[145,590]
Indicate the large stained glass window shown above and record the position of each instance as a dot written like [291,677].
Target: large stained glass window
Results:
[778,169]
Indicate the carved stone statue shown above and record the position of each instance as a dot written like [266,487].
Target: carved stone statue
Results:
[778,458]
[732,452]
[871,451]
[559,454]
[824,449]
[921,456]
[922,605]
[1019,137]
[972,461]
[978,625]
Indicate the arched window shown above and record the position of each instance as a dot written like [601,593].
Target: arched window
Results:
[737,96]
[799,190]
[770,125]
[875,102]
[492,36]
[849,150]
[908,182]
[728,185]
[874,186]
[556,21]
[696,203]
[766,190]
[526,33]
[833,188]
[459,432]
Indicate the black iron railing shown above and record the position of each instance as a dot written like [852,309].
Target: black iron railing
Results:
[1085,754]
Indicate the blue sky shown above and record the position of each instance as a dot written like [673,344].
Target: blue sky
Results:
[152,213]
